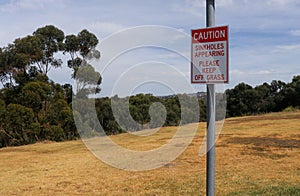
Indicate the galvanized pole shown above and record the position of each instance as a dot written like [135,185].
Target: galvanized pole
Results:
[211,108]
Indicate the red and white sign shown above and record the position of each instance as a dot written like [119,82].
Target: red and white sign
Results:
[209,62]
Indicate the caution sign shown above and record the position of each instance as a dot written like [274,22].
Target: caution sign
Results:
[209,58]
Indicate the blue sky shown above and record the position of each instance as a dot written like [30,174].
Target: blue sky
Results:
[264,36]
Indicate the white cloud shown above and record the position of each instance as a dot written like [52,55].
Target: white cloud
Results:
[295,32]
[264,72]
[106,28]
[192,7]
[225,2]
[255,78]
[32,5]
[281,48]
[236,72]
[244,73]
[280,2]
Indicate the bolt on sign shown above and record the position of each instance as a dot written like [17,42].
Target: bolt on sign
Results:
[209,55]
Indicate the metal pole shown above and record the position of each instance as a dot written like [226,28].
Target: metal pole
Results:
[211,99]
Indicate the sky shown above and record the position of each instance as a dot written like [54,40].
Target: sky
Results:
[145,45]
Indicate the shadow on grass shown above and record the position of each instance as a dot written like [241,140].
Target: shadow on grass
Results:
[266,142]
[261,146]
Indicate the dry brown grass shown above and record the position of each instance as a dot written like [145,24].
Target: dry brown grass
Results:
[255,155]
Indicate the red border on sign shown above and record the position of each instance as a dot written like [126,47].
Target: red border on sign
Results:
[210,38]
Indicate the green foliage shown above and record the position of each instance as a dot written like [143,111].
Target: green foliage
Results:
[44,114]
[32,107]
[87,43]
[274,97]
[17,123]
[81,48]
[106,117]
[29,48]
[72,45]
[55,133]
[145,111]
[87,81]
[290,109]
[291,93]
[51,39]
[35,94]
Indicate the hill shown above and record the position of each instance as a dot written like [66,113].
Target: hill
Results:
[256,155]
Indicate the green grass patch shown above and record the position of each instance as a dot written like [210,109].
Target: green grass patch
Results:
[269,191]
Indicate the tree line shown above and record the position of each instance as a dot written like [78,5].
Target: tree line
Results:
[35,108]
[243,99]
[165,111]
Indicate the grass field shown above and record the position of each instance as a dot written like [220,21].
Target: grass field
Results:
[257,155]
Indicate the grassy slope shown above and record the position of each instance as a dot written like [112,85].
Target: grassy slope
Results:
[257,155]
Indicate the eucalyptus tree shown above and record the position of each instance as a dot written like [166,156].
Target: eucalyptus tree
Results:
[81,47]
[51,39]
